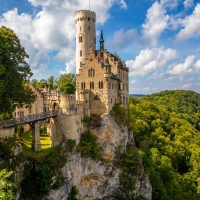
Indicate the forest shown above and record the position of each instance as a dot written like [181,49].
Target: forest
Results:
[166,128]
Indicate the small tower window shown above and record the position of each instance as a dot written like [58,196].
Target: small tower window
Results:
[102,84]
[80,39]
[80,64]
[80,28]
[88,18]
[88,28]
[80,53]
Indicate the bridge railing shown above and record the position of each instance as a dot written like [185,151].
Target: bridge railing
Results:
[27,118]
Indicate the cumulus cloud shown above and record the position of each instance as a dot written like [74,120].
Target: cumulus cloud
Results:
[149,60]
[156,22]
[191,26]
[187,86]
[188,3]
[121,39]
[197,65]
[52,29]
[181,69]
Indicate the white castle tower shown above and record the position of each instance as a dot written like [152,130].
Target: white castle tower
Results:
[85,35]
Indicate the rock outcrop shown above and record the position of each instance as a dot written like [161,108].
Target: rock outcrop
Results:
[100,179]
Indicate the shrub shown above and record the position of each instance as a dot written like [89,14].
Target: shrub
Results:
[128,162]
[93,121]
[119,113]
[70,144]
[72,194]
[88,145]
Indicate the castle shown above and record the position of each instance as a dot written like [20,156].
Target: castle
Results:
[101,81]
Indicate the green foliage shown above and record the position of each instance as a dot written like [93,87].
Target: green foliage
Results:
[129,163]
[88,145]
[72,194]
[36,182]
[70,144]
[6,186]
[38,175]
[14,71]
[119,112]
[93,121]
[67,83]
[166,131]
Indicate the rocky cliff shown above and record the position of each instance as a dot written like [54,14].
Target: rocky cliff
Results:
[99,179]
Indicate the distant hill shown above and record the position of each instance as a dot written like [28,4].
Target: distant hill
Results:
[137,95]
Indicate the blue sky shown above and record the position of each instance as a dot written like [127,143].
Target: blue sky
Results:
[158,40]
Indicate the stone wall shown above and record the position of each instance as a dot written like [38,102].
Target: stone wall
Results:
[5,133]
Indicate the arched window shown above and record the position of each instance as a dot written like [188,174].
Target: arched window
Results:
[92,85]
[111,100]
[80,26]
[99,85]
[80,53]
[102,84]
[96,97]
[84,85]
[89,72]
[93,72]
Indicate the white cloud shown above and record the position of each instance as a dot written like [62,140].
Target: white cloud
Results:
[187,86]
[188,3]
[149,60]
[53,28]
[156,22]
[122,39]
[191,26]
[197,65]
[181,69]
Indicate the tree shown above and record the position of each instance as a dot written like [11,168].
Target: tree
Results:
[6,186]
[14,71]
[51,82]
[67,83]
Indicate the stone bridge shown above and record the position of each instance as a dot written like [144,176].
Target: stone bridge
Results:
[35,121]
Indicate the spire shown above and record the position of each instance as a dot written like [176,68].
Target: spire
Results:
[101,36]
[101,41]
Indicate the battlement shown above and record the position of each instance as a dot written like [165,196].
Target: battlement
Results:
[68,97]
[85,11]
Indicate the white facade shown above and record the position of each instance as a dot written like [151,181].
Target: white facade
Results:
[85,35]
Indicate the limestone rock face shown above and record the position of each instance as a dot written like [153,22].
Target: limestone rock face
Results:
[99,179]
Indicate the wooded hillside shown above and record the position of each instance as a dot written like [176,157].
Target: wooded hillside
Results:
[166,130]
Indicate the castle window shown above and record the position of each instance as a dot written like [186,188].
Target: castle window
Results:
[88,18]
[88,28]
[80,39]
[80,64]
[80,28]
[84,85]
[80,53]
[93,72]
[111,100]
[102,84]
[89,72]
[99,85]
[92,85]
[96,97]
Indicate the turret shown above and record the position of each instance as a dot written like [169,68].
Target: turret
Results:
[85,34]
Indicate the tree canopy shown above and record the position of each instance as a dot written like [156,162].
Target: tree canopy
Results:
[14,72]
[166,132]
[66,82]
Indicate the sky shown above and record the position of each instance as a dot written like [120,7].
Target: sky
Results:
[158,40]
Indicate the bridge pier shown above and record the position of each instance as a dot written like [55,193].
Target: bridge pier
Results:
[36,144]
